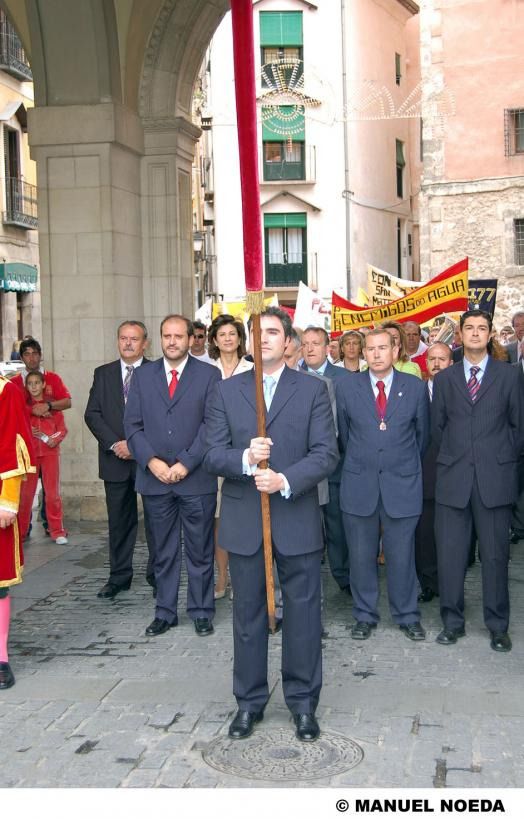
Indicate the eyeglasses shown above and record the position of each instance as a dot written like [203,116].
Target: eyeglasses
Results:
[199,336]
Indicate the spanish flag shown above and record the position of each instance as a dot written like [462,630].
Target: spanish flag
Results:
[445,293]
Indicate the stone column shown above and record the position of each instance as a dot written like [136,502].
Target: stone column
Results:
[88,164]
[168,269]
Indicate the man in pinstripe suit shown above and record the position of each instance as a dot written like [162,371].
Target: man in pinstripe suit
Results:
[478,427]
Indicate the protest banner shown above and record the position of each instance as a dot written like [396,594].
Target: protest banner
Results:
[311,309]
[383,287]
[445,293]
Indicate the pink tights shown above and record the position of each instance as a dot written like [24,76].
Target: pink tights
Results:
[5,613]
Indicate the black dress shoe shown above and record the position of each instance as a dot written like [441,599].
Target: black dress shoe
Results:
[203,626]
[413,630]
[362,630]
[308,729]
[449,636]
[244,723]
[427,595]
[500,641]
[346,590]
[7,678]
[159,626]
[110,590]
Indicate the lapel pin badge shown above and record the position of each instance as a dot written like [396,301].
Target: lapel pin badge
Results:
[400,395]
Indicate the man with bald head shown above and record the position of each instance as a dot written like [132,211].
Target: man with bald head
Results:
[438,357]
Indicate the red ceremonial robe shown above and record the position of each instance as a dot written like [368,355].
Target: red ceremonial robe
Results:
[16,460]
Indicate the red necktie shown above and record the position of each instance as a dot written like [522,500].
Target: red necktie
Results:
[173,383]
[381,401]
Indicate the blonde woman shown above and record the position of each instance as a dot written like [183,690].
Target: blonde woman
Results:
[350,345]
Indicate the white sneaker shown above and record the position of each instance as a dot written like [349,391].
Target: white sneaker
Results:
[61,541]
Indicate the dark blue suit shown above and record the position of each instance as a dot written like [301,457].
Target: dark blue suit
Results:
[382,485]
[337,548]
[300,424]
[172,429]
[479,444]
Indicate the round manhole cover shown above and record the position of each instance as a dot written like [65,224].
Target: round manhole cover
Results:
[277,755]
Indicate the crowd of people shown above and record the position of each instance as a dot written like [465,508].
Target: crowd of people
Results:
[384,445]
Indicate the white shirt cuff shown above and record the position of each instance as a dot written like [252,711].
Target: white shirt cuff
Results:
[286,491]
[247,468]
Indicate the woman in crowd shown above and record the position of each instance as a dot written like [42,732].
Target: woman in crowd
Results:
[402,361]
[351,351]
[227,348]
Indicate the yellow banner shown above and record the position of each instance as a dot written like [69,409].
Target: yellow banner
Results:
[447,292]
[237,309]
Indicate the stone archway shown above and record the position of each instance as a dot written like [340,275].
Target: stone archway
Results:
[113,139]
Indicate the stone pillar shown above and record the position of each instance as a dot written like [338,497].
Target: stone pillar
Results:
[88,165]
[168,270]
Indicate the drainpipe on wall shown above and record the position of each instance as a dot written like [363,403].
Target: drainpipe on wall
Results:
[347,192]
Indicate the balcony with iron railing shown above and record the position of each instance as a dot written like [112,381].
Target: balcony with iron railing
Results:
[285,166]
[286,269]
[20,204]
[13,58]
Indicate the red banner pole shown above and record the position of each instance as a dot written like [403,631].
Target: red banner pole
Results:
[245,93]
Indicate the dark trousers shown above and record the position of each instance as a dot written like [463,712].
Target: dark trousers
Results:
[453,534]
[301,630]
[169,515]
[122,516]
[398,541]
[337,549]
[426,547]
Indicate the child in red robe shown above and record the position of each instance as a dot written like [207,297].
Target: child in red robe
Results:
[48,431]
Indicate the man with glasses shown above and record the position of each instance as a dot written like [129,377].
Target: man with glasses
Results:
[198,350]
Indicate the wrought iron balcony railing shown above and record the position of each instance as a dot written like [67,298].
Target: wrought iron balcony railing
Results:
[13,58]
[20,204]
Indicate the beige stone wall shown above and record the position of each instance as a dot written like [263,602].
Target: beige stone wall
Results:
[477,220]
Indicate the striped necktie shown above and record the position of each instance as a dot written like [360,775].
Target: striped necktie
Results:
[473,383]
[127,381]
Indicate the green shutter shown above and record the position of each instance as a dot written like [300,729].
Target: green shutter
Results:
[283,122]
[400,153]
[285,220]
[280,28]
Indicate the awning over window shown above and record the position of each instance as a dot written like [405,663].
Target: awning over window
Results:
[18,276]
[280,28]
[285,220]
[15,108]
[283,122]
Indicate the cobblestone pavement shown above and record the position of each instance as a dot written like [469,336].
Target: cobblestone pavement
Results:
[97,703]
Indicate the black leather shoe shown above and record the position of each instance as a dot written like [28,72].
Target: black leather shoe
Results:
[413,630]
[361,630]
[110,590]
[308,729]
[159,626]
[244,723]
[499,641]
[427,595]
[278,626]
[449,636]
[346,590]
[203,626]
[7,678]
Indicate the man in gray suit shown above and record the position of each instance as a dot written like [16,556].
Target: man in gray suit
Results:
[515,349]
[302,448]
[383,423]
[478,427]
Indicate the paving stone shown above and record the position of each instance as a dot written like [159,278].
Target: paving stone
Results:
[86,673]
